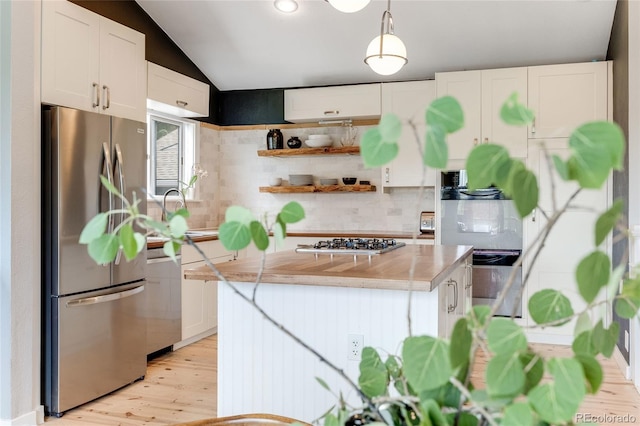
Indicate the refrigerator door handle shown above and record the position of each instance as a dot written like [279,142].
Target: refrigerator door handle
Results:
[118,166]
[105,298]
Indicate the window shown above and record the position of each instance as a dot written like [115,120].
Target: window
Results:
[172,146]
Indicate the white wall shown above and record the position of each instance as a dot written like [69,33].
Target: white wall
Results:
[19,214]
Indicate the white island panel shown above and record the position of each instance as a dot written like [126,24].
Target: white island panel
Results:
[260,369]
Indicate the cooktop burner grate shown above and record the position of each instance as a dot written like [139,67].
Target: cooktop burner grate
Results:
[356,246]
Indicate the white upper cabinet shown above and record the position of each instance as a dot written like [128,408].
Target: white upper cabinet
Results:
[566,96]
[332,103]
[92,63]
[175,93]
[409,101]
[481,95]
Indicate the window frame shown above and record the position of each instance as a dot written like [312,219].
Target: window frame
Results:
[189,152]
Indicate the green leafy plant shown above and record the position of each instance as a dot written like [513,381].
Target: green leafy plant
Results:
[429,382]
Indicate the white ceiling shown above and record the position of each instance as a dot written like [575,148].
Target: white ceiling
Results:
[248,44]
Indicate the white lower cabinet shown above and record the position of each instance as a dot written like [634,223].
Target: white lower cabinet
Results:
[199,297]
[454,296]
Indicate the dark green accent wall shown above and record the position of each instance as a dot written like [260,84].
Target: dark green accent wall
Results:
[619,53]
[241,107]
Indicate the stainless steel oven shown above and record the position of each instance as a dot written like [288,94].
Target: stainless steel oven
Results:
[486,219]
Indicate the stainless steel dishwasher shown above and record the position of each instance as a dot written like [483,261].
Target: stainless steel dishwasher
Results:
[163,305]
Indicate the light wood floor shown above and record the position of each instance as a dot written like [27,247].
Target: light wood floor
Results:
[181,386]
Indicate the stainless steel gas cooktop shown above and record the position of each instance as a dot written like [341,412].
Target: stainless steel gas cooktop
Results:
[351,246]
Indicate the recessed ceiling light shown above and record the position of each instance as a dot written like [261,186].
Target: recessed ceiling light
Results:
[286,6]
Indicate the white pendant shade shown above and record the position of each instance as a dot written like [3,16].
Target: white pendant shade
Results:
[349,6]
[286,6]
[393,57]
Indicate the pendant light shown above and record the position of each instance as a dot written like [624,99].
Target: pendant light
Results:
[286,6]
[348,6]
[386,53]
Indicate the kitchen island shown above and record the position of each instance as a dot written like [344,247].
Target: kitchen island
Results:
[331,302]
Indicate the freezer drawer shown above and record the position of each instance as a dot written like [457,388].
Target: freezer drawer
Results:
[96,346]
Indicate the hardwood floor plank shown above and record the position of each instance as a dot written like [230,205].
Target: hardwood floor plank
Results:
[181,386]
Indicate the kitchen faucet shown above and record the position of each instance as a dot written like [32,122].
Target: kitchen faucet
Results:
[182,202]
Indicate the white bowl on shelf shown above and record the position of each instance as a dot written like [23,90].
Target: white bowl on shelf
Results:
[319,137]
[318,143]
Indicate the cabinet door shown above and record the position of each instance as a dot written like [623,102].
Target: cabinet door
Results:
[70,57]
[497,86]
[408,101]
[176,94]
[566,96]
[123,71]
[465,86]
[571,239]
[195,305]
[331,103]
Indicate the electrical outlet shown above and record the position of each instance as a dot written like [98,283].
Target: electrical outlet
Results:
[355,343]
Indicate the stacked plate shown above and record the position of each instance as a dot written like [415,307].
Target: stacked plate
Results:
[317,141]
[328,181]
[300,180]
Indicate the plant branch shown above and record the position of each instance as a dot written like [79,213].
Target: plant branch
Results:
[464,391]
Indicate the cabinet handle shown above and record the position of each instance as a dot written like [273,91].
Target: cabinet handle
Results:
[469,277]
[108,96]
[334,112]
[454,283]
[182,104]
[486,140]
[96,86]
[533,127]
[475,141]
[386,175]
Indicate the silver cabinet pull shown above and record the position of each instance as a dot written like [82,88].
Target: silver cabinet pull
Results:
[475,141]
[533,127]
[486,140]
[106,298]
[96,87]
[386,175]
[453,283]
[108,96]
[334,112]
[182,104]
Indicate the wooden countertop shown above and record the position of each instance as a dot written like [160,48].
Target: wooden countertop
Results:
[385,271]
[320,235]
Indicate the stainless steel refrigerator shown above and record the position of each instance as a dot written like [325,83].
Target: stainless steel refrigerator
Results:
[94,333]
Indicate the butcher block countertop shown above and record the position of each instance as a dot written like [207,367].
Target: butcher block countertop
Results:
[384,271]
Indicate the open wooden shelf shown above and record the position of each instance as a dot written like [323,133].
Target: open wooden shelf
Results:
[317,188]
[289,152]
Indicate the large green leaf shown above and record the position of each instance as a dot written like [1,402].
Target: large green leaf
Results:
[597,148]
[460,345]
[375,151]
[547,306]
[592,274]
[446,396]
[373,380]
[436,150]
[279,232]
[583,323]
[505,336]
[505,376]
[583,344]
[627,307]
[604,340]
[390,127]
[446,113]
[234,235]
[592,372]
[104,248]
[431,413]
[393,368]
[533,367]
[95,228]
[426,362]
[561,167]
[178,226]
[128,241]
[259,235]
[514,113]
[292,212]
[171,249]
[463,419]
[483,162]
[526,195]
[238,214]
[608,220]
[558,401]
[518,414]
